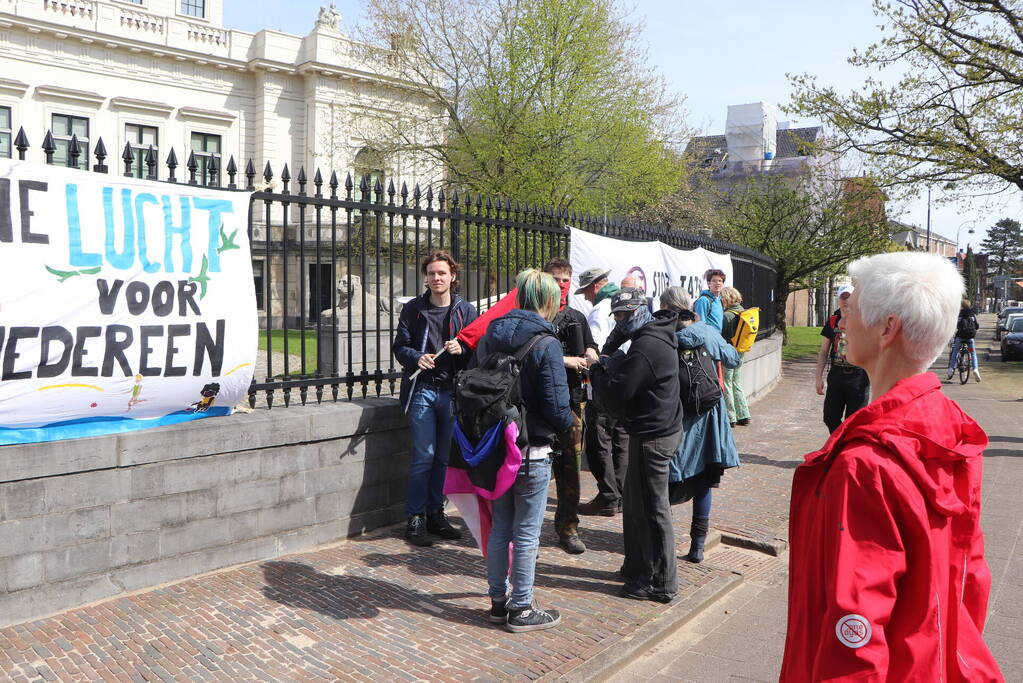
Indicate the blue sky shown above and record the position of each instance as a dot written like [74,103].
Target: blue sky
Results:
[721,53]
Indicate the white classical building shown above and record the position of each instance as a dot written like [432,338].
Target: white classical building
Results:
[167,73]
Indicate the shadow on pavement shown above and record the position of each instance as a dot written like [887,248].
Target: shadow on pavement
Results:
[1002,453]
[1005,439]
[754,459]
[300,586]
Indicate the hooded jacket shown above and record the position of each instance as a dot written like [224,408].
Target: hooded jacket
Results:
[645,379]
[708,439]
[543,382]
[411,336]
[887,576]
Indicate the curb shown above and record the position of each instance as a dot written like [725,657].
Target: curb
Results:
[769,546]
[616,657]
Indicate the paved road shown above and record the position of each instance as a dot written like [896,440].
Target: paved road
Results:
[741,637]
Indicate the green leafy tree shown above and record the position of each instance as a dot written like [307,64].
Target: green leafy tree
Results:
[546,101]
[1004,247]
[812,228]
[950,112]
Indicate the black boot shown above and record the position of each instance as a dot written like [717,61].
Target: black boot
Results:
[438,525]
[698,535]
[415,531]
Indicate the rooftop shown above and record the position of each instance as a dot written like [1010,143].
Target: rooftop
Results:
[791,143]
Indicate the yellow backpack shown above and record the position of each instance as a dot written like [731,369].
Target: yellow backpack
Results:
[746,329]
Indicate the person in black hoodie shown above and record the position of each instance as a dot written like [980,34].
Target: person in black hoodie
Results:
[427,327]
[642,386]
[518,514]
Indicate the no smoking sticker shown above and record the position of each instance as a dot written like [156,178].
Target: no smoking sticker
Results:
[853,631]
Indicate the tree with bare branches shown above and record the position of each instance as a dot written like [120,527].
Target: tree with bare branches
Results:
[545,101]
[953,112]
[812,228]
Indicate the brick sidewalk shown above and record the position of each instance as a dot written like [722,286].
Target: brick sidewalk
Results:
[374,608]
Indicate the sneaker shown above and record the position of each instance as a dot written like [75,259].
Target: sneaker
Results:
[438,525]
[573,545]
[415,531]
[949,375]
[498,611]
[598,506]
[976,375]
[634,592]
[532,619]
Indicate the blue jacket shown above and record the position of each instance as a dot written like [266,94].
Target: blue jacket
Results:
[543,382]
[710,310]
[708,439]
[410,338]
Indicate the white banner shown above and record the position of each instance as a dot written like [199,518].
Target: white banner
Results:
[123,303]
[655,265]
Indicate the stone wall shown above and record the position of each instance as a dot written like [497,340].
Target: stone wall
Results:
[761,367]
[88,519]
[91,518]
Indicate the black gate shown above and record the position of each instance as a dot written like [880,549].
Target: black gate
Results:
[332,262]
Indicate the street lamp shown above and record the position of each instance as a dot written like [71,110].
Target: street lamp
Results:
[968,232]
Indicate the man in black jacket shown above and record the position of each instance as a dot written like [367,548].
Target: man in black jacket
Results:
[577,344]
[428,325]
[642,386]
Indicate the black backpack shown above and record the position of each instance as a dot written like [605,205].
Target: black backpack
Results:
[490,393]
[698,381]
[966,327]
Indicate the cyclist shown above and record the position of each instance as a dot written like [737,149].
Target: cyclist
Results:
[966,331]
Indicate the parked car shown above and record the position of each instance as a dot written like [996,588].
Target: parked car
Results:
[1012,340]
[1002,316]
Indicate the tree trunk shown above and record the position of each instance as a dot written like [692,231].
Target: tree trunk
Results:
[781,290]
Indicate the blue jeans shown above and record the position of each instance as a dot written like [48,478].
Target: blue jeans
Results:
[957,344]
[432,423]
[517,518]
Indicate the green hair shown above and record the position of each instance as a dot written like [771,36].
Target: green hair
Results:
[538,292]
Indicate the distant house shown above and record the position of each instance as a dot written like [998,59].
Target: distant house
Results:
[915,238]
[756,143]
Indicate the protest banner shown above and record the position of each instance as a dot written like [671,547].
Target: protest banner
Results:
[123,303]
[655,265]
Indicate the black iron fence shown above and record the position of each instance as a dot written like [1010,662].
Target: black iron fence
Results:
[333,260]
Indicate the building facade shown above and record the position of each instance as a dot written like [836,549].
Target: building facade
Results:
[166,74]
[914,238]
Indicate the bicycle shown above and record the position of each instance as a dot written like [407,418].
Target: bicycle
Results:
[965,364]
[964,361]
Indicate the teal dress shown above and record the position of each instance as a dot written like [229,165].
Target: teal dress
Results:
[708,447]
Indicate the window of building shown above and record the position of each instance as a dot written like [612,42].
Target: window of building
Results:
[193,8]
[141,138]
[5,132]
[369,166]
[205,146]
[64,126]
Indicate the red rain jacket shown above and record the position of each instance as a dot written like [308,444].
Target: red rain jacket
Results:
[887,577]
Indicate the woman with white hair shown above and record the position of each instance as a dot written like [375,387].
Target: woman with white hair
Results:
[887,578]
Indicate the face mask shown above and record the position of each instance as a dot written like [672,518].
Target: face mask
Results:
[565,287]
